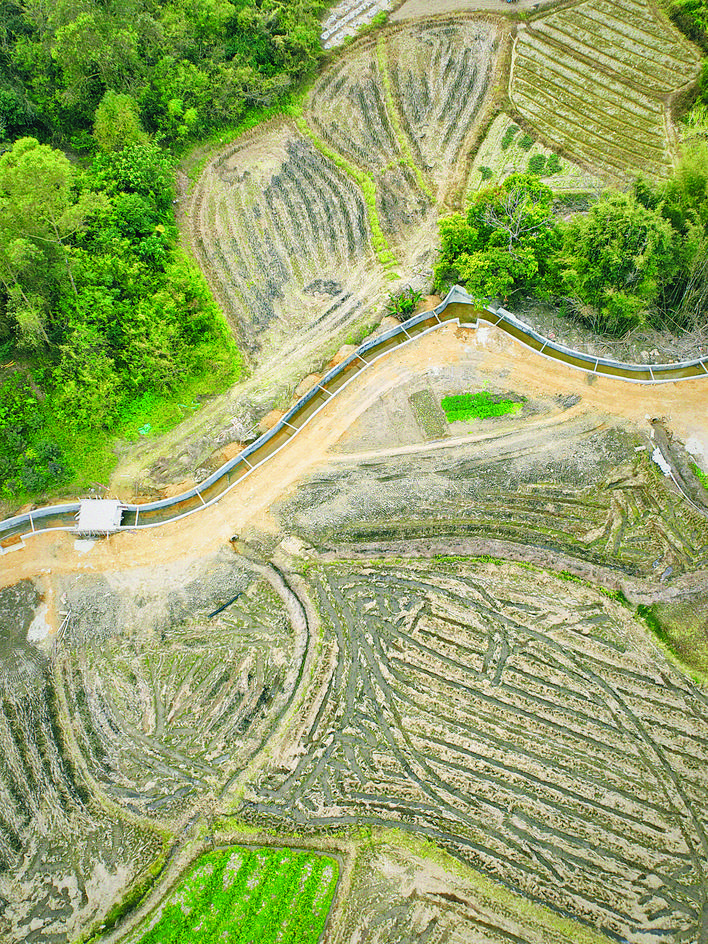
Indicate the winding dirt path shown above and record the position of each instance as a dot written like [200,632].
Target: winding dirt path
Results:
[683,406]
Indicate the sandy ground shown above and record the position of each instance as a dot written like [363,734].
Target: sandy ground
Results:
[682,405]
[415,8]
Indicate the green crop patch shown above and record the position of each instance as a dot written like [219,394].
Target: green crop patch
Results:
[478,406]
[701,475]
[238,895]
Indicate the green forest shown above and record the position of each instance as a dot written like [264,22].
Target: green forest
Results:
[108,331]
[634,258]
[105,327]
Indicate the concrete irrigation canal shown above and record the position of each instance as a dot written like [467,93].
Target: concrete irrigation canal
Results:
[457,308]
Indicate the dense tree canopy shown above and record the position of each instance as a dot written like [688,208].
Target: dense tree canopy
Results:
[186,65]
[614,260]
[691,16]
[97,306]
[100,314]
[505,240]
[633,258]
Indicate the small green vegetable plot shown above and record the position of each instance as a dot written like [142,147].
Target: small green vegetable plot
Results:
[480,406]
[240,895]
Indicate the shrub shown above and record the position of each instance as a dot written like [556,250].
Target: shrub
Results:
[526,142]
[403,304]
[537,164]
[553,165]
[509,135]
[486,172]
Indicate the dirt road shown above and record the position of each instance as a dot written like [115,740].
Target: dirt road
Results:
[493,354]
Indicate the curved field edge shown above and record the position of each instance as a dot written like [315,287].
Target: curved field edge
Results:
[163,877]
[292,108]
[403,689]
[352,850]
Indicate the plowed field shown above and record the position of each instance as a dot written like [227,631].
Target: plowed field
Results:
[362,659]
[418,641]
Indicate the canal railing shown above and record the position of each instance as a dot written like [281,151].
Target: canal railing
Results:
[457,308]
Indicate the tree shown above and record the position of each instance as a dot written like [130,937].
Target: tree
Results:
[193,26]
[138,168]
[93,53]
[117,123]
[683,202]
[614,261]
[507,241]
[39,211]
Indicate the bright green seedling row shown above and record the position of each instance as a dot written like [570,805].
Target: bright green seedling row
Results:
[703,477]
[467,406]
[240,895]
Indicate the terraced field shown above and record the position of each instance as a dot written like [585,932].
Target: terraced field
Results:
[301,228]
[147,705]
[419,654]
[64,856]
[172,715]
[596,80]
[504,152]
[284,230]
[446,695]
[423,633]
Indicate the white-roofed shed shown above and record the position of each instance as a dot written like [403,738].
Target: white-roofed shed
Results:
[99,516]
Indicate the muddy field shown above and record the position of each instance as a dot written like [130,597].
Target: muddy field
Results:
[305,225]
[421,629]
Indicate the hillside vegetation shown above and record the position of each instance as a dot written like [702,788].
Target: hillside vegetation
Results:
[635,258]
[105,328]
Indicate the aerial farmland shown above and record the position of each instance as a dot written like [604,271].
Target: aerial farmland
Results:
[403,636]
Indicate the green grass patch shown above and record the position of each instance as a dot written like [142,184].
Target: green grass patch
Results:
[240,895]
[91,457]
[395,120]
[366,182]
[478,558]
[700,475]
[537,164]
[553,165]
[681,628]
[479,406]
